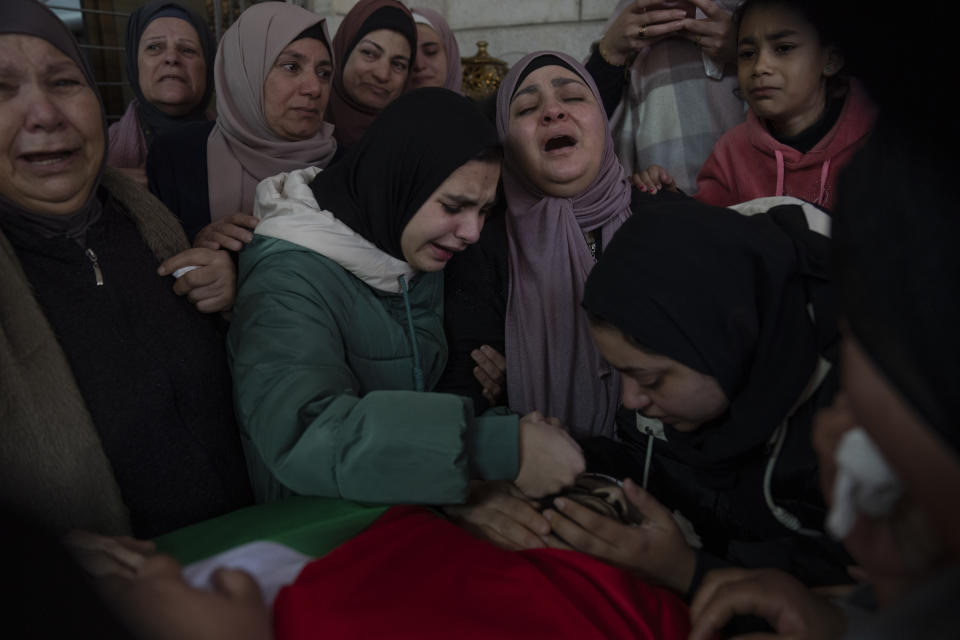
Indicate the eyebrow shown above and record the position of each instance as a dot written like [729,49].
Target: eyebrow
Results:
[465,201]
[373,44]
[770,37]
[556,82]
[8,70]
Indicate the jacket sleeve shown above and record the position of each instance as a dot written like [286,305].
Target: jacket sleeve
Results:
[610,80]
[314,427]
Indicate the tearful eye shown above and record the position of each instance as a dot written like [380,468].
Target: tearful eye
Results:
[559,142]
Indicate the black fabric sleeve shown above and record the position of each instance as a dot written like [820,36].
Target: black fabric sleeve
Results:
[177,174]
[611,81]
[475,307]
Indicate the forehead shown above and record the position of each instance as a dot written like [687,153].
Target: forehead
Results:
[426,33]
[621,353]
[774,19]
[393,42]
[167,27]
[22,53]
[548,76]
[308,48]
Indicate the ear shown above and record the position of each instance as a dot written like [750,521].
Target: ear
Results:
[833,63]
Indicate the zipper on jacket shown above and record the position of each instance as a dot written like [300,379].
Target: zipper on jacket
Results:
[96,265]
[417,370]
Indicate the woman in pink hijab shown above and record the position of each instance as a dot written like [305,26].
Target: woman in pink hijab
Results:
[272,76]
[437,63]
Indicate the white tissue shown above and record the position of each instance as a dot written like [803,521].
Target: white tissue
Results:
[864,484]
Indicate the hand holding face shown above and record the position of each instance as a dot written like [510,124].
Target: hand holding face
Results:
[639,25]
[490,372]
[550,459]
[714,34]
[655,548]
[212,286]
[500,513]
[793,610]
[232,232]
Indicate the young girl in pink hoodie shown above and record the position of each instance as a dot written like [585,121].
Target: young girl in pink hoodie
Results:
[805,122]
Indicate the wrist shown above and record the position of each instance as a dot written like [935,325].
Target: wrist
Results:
[610,55]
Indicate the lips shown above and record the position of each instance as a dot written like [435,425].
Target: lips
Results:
[48,158]
[559,142]
[444,253]
[172,77]
[763,91]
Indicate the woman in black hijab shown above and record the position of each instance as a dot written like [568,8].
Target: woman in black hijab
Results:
[722,326]
[169,58]
[114,391]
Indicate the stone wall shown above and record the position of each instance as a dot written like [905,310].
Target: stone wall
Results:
[512,28]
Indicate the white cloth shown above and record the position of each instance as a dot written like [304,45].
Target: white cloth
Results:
[864,484]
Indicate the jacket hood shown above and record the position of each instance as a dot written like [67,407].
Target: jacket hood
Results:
[856,119]
[288,210]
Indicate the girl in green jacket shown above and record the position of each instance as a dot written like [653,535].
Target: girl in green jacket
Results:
[337,335]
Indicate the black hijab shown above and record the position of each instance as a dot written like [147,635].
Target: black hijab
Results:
[28,17]
[153,121]
[898,266]
[726,295]
[408,151]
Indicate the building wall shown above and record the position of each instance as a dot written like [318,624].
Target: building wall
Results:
[512,28]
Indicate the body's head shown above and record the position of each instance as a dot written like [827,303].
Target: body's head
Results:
[421,181]
[273,73]
[899,369]
[785,58]
[169,52]
[437,63]
[52,129]
[553,124]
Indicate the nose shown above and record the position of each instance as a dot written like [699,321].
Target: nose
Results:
[311,85]
[42,113]
[171,54]
[634,396]
[761,62]
[469,227]
[553,110]
[381,70]
[418,64]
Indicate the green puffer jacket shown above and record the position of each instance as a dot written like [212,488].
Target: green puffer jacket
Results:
[326,376]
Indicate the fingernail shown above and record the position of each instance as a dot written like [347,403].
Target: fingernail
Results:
[560,503]
[642,188]
[549,514]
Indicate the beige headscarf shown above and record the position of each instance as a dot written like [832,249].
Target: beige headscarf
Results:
[242,150]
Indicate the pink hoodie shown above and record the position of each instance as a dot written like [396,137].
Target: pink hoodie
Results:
[747,162]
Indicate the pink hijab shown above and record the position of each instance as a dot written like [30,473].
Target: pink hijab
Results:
[435,21]
[241,149]
[553,365]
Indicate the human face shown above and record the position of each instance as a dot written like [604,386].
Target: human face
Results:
[556,131]
[159,603]
[173,71]
[783,68]
[377,68]
[660,387]
[51,128]
[452,217]
[929,469]
[296,90]
[430,65]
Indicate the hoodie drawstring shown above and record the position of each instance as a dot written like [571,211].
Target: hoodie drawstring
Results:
[824,172]
[779,156]
[417,370]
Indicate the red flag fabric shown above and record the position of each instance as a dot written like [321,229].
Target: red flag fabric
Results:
[413,574]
